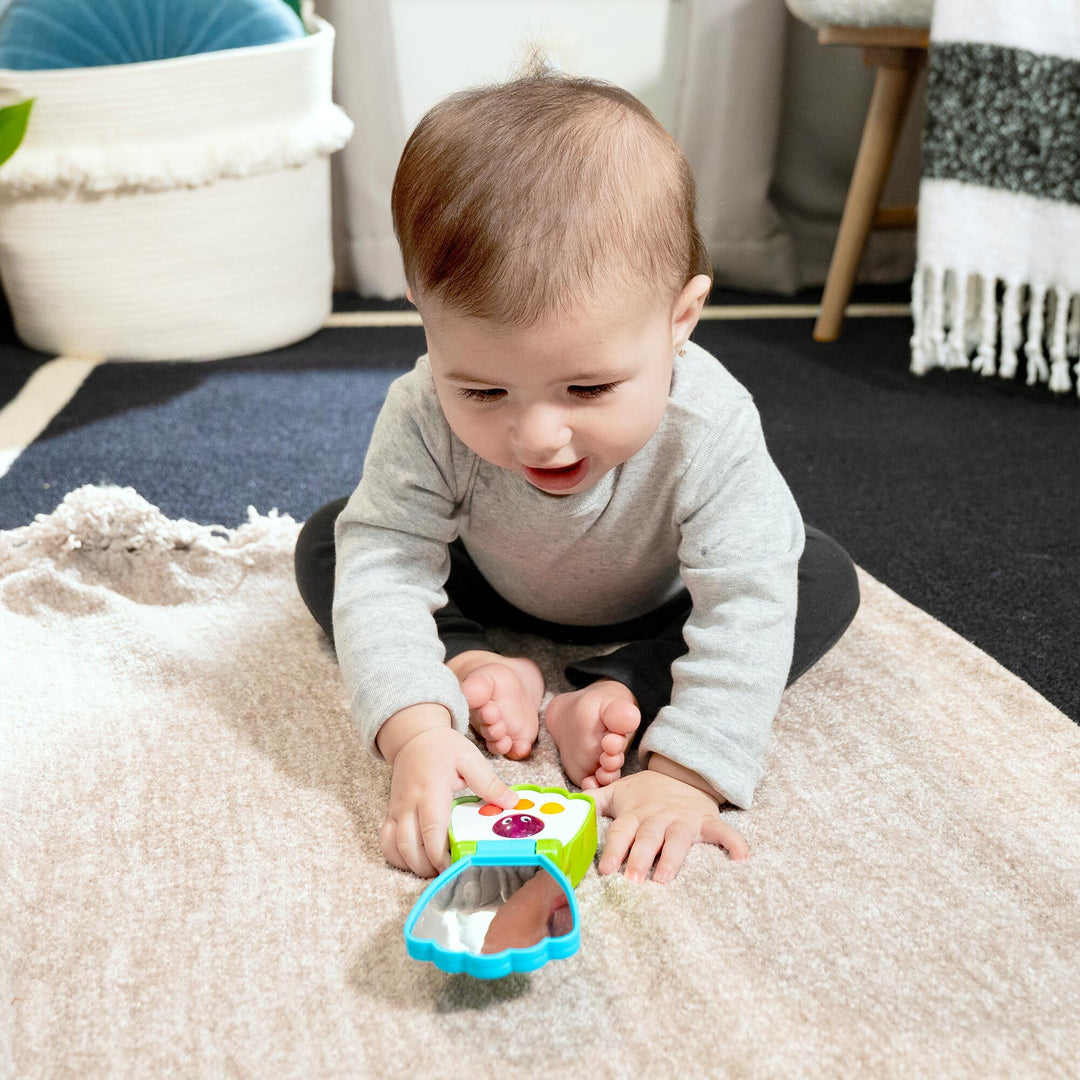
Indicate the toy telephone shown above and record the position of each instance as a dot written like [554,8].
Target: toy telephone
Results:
[506,901]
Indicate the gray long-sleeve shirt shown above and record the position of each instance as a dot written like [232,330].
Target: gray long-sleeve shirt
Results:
[702,505]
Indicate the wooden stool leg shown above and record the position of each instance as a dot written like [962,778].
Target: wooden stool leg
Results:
[888,105]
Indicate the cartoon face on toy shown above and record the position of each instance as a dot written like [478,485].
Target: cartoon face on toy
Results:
[545,815]
[517,826]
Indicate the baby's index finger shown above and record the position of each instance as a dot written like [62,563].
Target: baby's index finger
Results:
[509,799]
[485,782]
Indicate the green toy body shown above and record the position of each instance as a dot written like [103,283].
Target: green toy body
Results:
[567,832]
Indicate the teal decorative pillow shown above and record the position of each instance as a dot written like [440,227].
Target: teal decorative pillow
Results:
[42,34]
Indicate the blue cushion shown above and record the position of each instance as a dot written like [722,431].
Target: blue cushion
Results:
[40,34]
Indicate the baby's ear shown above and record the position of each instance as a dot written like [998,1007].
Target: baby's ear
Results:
[408,294]
[688,307]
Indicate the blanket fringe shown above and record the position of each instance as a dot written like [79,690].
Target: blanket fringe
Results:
[981,322]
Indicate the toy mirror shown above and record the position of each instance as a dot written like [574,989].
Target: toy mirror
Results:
[506,902]
[485,909]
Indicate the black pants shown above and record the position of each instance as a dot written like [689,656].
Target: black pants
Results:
[828,600]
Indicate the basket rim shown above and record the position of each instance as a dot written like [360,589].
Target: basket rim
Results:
[31,79]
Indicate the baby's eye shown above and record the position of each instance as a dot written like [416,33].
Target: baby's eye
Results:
[593,391]
[474,394]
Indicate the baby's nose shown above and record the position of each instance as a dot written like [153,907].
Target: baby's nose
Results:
[542,432]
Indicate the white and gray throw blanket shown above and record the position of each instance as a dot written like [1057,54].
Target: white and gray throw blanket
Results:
[997,282]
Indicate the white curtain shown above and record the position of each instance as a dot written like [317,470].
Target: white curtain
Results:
[769,120]
[366,86]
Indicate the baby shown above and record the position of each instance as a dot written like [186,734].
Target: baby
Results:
[564,461]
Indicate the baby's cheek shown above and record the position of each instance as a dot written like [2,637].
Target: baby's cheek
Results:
[482,438]
[631,434]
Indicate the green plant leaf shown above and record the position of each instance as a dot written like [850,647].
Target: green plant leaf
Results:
[13,121]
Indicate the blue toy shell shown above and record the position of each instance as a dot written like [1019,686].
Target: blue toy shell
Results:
[37,35]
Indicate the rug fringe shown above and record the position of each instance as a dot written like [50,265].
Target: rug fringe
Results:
[981,322]
[119,525]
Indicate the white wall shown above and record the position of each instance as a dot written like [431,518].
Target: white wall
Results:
[445,45]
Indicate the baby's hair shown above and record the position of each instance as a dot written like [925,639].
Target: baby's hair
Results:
[531,199]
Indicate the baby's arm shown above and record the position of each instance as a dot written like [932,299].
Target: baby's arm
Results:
[741,538]
[432,763]
[661,811]
[392,561]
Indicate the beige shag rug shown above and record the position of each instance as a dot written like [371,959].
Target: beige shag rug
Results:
[190,881]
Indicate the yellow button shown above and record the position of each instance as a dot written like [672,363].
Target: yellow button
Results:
[552,808]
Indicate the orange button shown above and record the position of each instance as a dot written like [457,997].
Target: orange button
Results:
[490,809]
[523,804]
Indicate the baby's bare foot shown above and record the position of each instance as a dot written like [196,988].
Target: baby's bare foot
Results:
[592,728]
[504,695]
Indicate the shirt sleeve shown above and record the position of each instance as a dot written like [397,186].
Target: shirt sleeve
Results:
[741,536]
[392,563]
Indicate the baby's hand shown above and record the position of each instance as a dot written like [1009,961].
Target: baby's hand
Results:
[429,770]
[658,814]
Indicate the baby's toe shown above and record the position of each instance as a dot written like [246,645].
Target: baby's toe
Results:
[613,744]
[612,762]
[621,717]
[499,747]
[606,776]
[478,689]
[490,715]
[519,750]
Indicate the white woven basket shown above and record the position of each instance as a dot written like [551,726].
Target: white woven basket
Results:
[174,210]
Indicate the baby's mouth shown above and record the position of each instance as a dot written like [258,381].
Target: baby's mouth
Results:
[557,480]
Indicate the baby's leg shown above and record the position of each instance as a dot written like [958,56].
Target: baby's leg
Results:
[504,695]
[593,743]
[314,561]
[592,728]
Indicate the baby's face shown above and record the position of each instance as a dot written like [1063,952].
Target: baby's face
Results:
[561,405]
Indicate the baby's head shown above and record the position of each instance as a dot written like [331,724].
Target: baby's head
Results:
[544,198]
[548,235]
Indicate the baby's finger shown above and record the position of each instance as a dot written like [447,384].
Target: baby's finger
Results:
[677,841]
[718,832]
[649,840]
[601,796]
[619,838]
[482,778]
[434,820]
[388,844]
[411,847]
